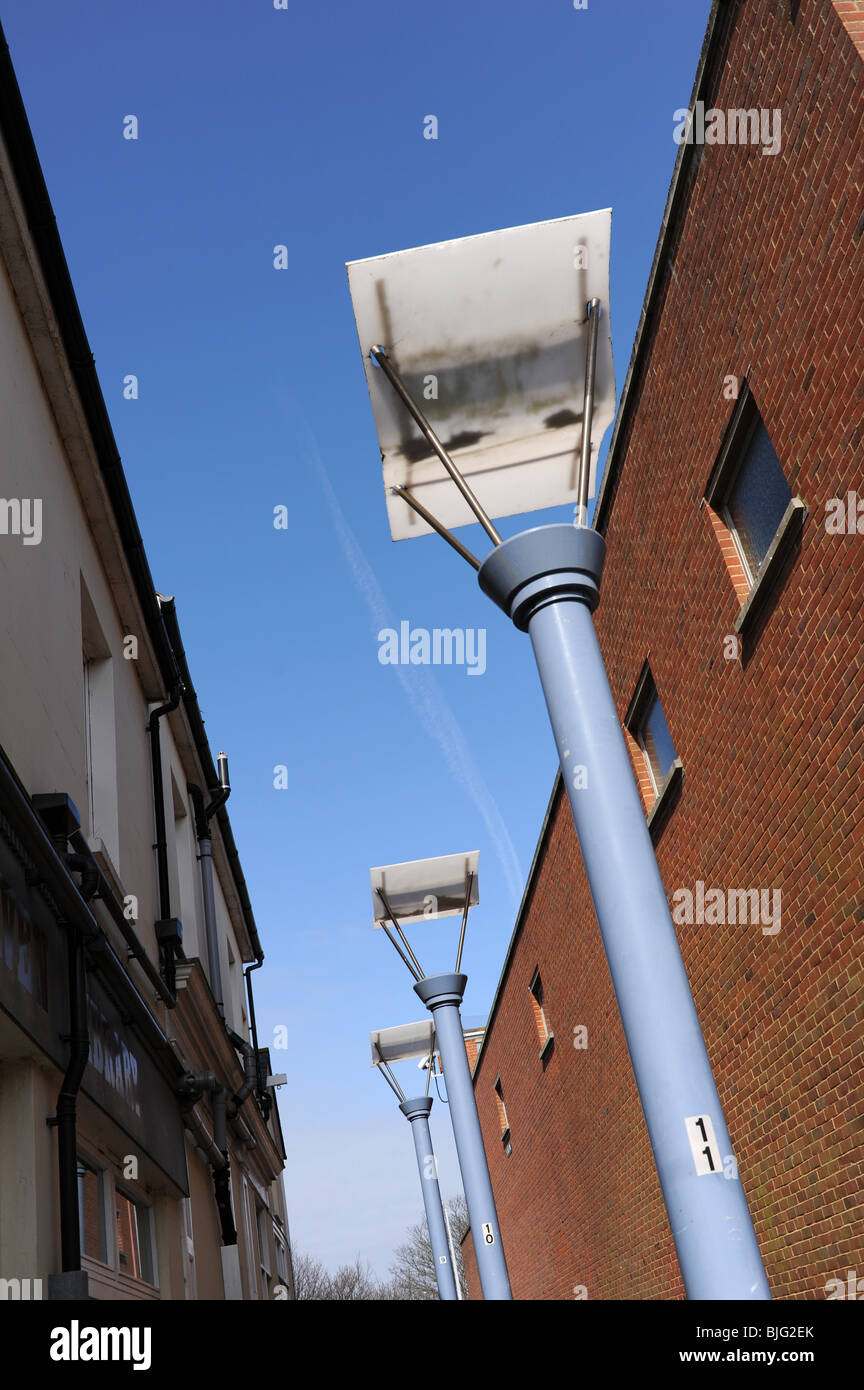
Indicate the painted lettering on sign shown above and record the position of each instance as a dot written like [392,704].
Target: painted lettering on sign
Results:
[112,1059]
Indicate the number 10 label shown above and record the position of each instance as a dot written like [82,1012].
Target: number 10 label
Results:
[703,1145]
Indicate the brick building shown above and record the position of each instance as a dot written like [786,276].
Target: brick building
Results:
[730,621]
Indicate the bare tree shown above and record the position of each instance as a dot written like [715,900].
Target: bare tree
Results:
[412,1273]
[413,1270]
[311,1279]
[354,1283]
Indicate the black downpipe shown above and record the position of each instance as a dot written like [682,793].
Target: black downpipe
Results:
[153,729]
[190,1088]
[250,1072]
[159,798]
[79,1051]
[265,1099]
[202,829]
[222,1176]
[67,1105]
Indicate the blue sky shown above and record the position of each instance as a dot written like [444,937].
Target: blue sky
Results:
[304,127]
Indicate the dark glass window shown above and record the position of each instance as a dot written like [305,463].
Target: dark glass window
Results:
[757,498]
[654,736]
[543,1030]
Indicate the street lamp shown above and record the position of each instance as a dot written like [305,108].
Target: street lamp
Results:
[422,891]
[391,1045]
[493,332]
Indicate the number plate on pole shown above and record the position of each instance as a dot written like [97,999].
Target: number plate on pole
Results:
[488,1233]
[703,1144]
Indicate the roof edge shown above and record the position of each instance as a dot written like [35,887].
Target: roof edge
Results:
[675,201]
[42,227]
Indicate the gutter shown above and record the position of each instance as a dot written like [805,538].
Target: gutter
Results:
[676,200]
[211,776]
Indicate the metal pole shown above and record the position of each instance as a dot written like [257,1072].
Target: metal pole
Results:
[452,1250]
[547,580]
[442,995]
[417,1113]
[588,411]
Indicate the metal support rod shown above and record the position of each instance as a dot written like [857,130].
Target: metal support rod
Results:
[386,1072]
[464,921]
[391,914]
[417,1113]
[429,1066]
[442,995]
[587,412]
[379,355]
[392,1079]
[400,490]
[394,1085]
[548,580]
[397,947]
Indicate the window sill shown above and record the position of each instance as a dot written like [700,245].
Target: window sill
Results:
[778,552]
[666,799]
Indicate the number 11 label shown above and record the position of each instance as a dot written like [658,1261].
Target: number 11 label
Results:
[703,1145]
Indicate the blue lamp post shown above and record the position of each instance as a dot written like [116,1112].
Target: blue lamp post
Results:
[547,580]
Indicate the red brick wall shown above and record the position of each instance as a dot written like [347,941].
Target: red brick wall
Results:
[767,282]
[471,1268]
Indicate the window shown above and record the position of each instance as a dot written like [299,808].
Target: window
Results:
[502,1112]
[659,770]
[91,1212]
[750,505]
[541,1022]
[264,1223]
[757,499]
[134,1237]
[117,1233]
[281,1258]
[655,741]
[647,724]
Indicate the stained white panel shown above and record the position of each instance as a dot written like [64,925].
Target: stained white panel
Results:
[488,333]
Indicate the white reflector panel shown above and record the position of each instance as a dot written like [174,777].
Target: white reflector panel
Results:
[402,1043]
[425,889]
[488,334]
